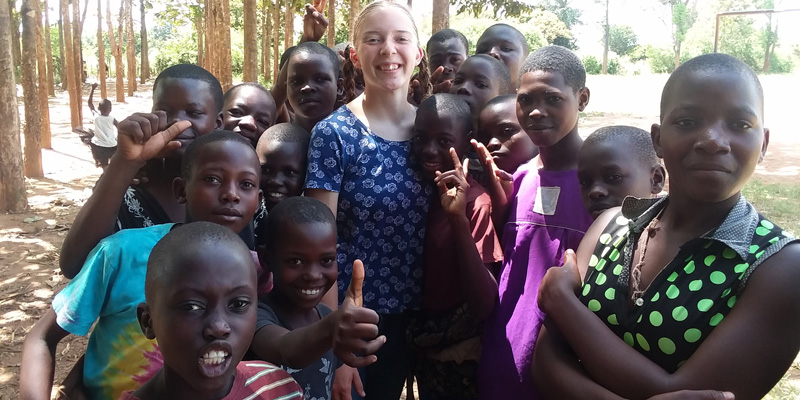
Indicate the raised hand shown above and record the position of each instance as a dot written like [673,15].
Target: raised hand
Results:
[500,184]
[144,136]
[314,22]
[453,186]
[355,336]
[415,91]
[559,281]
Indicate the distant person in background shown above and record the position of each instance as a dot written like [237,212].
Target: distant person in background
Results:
[104,141]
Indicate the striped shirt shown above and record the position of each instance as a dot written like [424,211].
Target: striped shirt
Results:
[256,380]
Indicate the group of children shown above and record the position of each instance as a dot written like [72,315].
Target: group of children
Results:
[376,252]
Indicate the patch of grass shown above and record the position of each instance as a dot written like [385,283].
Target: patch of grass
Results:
[779,202]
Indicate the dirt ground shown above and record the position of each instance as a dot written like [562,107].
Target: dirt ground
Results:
[30,242]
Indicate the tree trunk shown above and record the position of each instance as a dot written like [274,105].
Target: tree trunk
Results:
[276,54]
[677,50]
[266,40]
[441,15]
[218,41]
[208,31]
[199,27]
[69,61]
[606,29]
[145,53]
[770,45]
[78,67]
[225,44]
[101,52]
[62,72]
[331,23]
[15,32]
[51,87]
[288,24]
[116,50]
[41,67]
[130,48]
[355,8]
[250,73]
[12,182]
[33,119]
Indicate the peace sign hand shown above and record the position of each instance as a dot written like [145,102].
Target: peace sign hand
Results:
[314,22]
[453,186]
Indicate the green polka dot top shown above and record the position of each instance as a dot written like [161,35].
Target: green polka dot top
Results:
[692,295]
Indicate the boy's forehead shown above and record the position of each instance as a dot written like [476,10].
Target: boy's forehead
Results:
[194,90]
[545,79]
[225,149]
[499,33]
[736,86]
[448,46]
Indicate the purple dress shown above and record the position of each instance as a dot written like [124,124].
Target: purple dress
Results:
[546,218]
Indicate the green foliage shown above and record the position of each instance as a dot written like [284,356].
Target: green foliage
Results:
[179,50]
[780,64]
[568,15]
[662,61]
[614,68]
[499,8]
[739,38]
[540,28]
[622,40]
[592,66]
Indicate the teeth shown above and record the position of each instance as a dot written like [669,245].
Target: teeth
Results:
[307,292]
[391,67]
[214,357]
[274,194]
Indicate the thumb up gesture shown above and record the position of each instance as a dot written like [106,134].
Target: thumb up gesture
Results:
[355,336]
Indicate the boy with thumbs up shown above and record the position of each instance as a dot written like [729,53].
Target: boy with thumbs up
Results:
[294,329]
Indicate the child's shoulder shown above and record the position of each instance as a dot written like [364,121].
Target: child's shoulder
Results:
[125,236]
[267,380]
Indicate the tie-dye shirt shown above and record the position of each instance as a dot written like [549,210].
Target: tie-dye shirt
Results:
[107,290]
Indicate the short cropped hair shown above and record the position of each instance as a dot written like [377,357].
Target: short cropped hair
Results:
[295,210]
[499,69]
[217,135]
[448,105]
[557,59]
[522,40]
[716,63]
[445,35]
[191,71]
[317,48]
[233,89]
[285,133]
[182,241]
[285,56]
[641,144]
[503,98]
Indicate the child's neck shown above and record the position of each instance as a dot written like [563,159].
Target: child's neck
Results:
[304,123]
[289,313]
[695,218]
[563,155]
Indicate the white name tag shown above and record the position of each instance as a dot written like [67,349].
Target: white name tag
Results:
[546,200]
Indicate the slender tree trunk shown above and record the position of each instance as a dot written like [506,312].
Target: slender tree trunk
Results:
[250,73]
[75,118]
[208,30]
[51,88]
[101,52]
[355,8]
[33,119]
[62,72]
[145,53]
[441,15]
[78,58]
[41,66]
[218,41]
[225,45]
[331,23]
[276,27]
[130,48]
[288,24]
[266,39]
[199,27]
[12,182]
[116,51]
[606,29]
[15,32]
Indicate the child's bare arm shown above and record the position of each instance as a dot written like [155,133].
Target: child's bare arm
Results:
[140,138]
[343,330]
[39,358]
[476,279]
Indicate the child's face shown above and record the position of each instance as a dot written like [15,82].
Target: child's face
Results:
[547,108]
[503,44]
[187,100]
[387,49]
[476,82]
[223,187]
[203,317]
[448,54]
[608,172]
[499,131]
[711,135]
[304,263]
[312,85]
[248,111]
[283,170]
[434,135]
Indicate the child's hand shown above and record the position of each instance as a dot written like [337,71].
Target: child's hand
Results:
[345,380]
[415,90]
[500,182]
[440,85]
[453,186]
[144,136]
[560,281]
[355,336]
[314,22]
